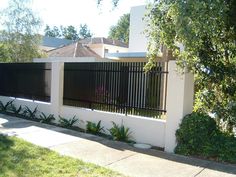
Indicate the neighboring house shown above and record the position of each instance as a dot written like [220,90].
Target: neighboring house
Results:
[138,42]
[91,47]
[49,43]
[102,45]
[73,50]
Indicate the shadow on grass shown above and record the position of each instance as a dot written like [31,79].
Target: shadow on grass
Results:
[11,156]
[227,168]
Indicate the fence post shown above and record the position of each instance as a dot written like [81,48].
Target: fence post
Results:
[180,91]
[57,87]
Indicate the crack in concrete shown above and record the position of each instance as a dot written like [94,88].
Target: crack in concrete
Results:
[120,159]
[202,170]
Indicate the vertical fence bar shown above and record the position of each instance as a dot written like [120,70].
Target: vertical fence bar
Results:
[117,87]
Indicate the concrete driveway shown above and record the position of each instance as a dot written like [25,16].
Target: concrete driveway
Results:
[117,156]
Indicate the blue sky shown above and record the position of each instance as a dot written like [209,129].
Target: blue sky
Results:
[75,12]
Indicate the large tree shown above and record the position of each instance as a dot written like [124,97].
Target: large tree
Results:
[68,32]
[207,30]
[121,30]
[19,39]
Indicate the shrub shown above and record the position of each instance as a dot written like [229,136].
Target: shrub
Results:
[46,119]
[198,135]
[67,123]
[222,148]
[120,133]
[194,132]
[94,128]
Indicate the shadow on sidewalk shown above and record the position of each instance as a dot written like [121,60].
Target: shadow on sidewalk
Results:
[11,122]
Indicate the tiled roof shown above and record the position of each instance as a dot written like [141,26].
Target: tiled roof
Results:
[102,40]
[73,50]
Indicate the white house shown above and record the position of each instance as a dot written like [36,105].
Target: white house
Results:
[137,40]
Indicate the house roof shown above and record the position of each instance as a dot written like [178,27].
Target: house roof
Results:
[73,50]
[55,42]
[102,40]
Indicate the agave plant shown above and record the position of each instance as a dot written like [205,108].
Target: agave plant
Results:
[120,133]
[46,119]
[16,110]
[29,113]
[6,107]
[94,128]
[67,122]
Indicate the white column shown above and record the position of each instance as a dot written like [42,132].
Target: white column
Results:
[57,87]
[180,92]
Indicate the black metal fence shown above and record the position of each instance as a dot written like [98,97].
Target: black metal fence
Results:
[120,87]
[26,80]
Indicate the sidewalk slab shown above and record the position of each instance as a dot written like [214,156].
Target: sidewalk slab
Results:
[115,155]
[94,152]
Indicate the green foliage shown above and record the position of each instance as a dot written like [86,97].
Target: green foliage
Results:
[16,110]
[6,107]
[55,32]
[207,30]
[84,32]
[94,128]
[27,112]
[46,119]
[114,2]
[68,32]
[121,30]
[198,135]
[67,123]
[195,130]
[19,39]
[120,133]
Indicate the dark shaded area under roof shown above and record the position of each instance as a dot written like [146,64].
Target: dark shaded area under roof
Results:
[55,42]
[102,40]
[73,50]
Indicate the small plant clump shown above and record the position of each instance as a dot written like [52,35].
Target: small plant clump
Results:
[67,123]
[120,133]
[94,128]
[46,119]
[6,107]
[29,113]
[15,110]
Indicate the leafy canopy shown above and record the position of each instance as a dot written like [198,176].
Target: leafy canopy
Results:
[207,30]
[68,32]
[19,37]
[121,30]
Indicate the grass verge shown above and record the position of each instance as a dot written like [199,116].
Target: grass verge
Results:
[20,158]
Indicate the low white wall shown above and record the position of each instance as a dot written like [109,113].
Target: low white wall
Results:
[144,130]
[41,106]
[156,132]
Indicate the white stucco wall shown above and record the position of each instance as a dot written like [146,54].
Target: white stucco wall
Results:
[144,130]
[100,48]
[137,40]
[41,106]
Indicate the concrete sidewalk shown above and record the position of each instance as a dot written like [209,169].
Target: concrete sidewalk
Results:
[117,156]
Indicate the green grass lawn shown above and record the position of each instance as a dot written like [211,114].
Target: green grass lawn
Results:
[19,158]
